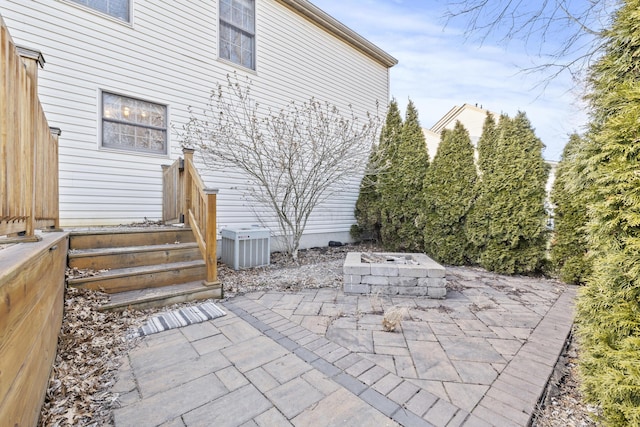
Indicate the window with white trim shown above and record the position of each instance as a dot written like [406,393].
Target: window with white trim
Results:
[133,124]
[119,9]
[237,32]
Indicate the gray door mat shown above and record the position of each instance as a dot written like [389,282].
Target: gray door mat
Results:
[177,318]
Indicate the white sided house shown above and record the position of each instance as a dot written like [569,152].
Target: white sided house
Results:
[472,118]
[120,75]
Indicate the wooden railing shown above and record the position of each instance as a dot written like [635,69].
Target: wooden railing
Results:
[186,197]
[28,149]
[172,192]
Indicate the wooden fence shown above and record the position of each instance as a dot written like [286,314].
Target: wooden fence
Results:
[186,198]
[28,148]
[172,192]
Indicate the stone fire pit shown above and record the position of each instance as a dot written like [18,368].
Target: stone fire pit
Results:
[410,274]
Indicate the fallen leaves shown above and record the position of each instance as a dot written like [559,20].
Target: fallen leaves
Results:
[89,348]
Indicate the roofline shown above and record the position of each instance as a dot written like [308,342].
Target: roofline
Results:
[454,112]
[339,30]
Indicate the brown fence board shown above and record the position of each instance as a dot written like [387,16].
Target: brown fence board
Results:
[31,305]
[28,151]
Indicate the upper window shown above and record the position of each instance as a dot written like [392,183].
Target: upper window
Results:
[237,32]
[117,8]
[133,124]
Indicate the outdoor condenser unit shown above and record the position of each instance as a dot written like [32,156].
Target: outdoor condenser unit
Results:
[245,247]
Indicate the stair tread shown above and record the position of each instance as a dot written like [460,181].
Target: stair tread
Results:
[128,236]
[125,230]
[131,271]
[78,253]
[152,293]
[127,298]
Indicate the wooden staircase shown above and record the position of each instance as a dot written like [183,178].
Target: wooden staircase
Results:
[141,268]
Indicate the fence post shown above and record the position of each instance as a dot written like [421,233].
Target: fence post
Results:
[55,133]
[32,59]
[188,184]
[165,209]
[211,238]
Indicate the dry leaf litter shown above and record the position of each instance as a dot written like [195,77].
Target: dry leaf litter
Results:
[92,343]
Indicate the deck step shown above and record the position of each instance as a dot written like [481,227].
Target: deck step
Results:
[110,238]
[163,296]
[141,268]
[135,278]
[133,256]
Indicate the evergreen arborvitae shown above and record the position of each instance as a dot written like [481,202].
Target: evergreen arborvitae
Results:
[608,314]
[569,243]
[390,139]
[367,210]
[487,143]
[479,221]
[448,192]
[401,188]
[508,224]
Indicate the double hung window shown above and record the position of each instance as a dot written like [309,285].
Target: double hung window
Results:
[237,32]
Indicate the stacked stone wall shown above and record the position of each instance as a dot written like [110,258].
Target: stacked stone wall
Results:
[422,277]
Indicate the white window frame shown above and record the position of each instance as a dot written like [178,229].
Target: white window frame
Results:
[90,9]
[125,148]
[222,22]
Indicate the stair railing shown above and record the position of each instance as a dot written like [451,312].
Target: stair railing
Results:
[184,191]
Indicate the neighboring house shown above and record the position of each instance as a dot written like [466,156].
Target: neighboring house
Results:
[471,117]
[120,75]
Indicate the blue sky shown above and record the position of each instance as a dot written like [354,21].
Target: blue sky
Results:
[439,67]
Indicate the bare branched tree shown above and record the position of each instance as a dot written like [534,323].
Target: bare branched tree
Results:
[293,159]
[565,34]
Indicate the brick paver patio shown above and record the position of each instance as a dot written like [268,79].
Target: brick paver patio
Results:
[480,357]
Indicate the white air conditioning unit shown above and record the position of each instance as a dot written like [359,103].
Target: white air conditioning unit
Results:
[245,247]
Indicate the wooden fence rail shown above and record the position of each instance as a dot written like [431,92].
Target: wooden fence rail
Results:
[28,147]
[186,198]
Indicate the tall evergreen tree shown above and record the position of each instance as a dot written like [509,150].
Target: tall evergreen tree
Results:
[367,210]
[448,192]
[569,243]
[510,216]
[608,314]
[401,187]
[479,222]
[487,143]
[369,206]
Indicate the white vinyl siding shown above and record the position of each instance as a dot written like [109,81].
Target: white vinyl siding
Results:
[170,57]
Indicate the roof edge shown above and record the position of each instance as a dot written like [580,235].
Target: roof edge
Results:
[440,124]
[341,31]
[455,112]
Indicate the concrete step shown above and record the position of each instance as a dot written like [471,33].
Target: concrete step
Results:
[113,238]
[163,296]
[133,256]
[135,278]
